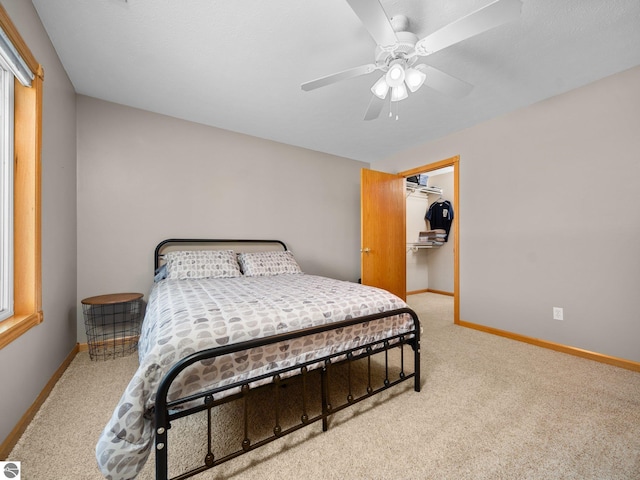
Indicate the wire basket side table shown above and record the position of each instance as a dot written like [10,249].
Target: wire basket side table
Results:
[112,323]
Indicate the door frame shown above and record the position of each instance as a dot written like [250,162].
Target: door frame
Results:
[455,163]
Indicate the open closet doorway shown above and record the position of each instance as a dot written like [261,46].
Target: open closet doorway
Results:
[433,265]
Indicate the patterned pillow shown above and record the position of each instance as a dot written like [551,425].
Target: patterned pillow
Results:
[268,263]
[202,264]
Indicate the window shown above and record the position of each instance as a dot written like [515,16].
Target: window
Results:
[26,75]
[6,191]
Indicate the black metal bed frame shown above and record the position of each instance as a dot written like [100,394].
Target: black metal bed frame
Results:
[166,411]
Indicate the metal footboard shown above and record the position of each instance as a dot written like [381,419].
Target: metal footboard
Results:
[167,411]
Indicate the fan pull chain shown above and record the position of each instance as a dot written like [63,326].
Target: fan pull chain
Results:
[397,110]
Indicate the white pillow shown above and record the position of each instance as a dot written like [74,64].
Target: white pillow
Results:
[202,264]
[257,264]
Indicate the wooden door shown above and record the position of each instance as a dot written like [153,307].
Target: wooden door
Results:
[383,221]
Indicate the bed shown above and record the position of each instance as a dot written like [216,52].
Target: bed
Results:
[227,318]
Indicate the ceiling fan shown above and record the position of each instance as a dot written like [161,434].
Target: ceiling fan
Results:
[398,51]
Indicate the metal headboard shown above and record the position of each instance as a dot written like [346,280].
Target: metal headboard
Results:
[211,243]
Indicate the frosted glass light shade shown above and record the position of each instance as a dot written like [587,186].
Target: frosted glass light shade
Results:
[380,88]
[395,75]
[399,93]
[414,79]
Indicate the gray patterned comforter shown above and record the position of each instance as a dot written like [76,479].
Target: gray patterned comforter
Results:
[185,316]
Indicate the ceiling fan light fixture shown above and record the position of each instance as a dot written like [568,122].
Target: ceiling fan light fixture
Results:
[380,88]
[397,48]
[395,75]
[399,93]
[414,79]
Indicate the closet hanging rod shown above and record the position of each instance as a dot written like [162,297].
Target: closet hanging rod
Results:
[414,247]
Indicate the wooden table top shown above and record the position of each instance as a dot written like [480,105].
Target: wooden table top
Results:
[112,298]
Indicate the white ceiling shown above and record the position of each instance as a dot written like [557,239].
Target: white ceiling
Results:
[238,64]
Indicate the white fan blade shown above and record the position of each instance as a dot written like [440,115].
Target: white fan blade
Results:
[337,77]
[444,83]
[375,107]
[486,18]
[375,20]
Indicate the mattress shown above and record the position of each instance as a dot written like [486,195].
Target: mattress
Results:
[185,316]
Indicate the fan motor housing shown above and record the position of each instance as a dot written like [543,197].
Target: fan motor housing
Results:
[402,49]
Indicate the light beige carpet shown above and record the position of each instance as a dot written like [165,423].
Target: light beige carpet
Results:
[490,408]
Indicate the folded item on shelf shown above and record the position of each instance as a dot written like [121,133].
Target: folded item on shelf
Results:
[431,235]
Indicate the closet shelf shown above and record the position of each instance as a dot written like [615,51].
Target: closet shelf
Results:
[423,189]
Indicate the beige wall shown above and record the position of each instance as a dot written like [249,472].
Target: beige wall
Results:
[549,216]
[144,177]
[28,363]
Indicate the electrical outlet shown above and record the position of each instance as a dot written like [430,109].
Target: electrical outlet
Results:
[558,313]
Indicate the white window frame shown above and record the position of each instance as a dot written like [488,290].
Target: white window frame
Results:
[6,190]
